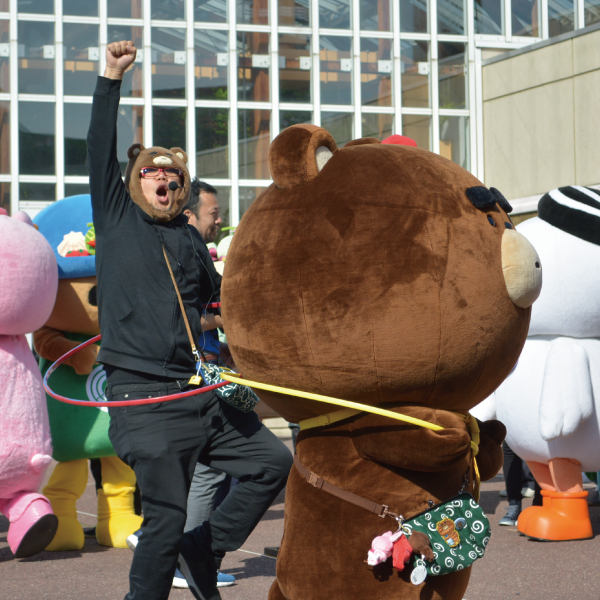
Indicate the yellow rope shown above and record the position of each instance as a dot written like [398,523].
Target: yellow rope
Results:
[353,408]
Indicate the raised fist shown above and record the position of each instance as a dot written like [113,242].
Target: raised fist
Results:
[119,57]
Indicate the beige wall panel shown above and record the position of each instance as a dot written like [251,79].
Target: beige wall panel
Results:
[587,126]
[528,140]
[528,70]
[586,53]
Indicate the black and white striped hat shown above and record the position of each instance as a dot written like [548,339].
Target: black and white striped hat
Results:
[573,209]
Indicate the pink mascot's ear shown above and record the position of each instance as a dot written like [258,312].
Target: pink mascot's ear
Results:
[298,154]
[401,140]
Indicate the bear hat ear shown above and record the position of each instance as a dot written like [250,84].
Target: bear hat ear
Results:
[180,153]
[298,154]
[134,150]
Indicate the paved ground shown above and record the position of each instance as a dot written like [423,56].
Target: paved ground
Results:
[513,566]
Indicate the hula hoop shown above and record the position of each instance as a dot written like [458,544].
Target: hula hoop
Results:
[116,403]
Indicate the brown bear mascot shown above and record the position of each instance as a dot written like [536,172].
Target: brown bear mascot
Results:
[398,282]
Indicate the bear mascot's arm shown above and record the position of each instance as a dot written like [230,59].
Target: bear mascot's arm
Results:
[490,456]
[412,447]
[51,344]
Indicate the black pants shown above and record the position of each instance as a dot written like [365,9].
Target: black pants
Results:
[162,443]
[513,477]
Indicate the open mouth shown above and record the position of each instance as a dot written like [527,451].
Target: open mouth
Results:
[162,194]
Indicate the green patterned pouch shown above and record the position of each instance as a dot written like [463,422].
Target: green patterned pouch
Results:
[459,532]
[239,396]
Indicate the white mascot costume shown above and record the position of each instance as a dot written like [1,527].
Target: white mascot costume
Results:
[549,403]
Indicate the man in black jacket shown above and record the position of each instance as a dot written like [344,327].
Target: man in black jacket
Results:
[146,353]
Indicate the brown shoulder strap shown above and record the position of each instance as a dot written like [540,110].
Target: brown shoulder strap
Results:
[381,510]
[185,319]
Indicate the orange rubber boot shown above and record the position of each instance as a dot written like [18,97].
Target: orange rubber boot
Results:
[529,512]
[567,518]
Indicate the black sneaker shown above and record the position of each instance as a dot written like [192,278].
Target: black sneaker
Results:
[512,516]
[199,570]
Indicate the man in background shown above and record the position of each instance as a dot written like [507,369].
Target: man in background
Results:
[203,210]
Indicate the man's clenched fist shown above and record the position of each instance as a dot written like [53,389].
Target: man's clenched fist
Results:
[119,57]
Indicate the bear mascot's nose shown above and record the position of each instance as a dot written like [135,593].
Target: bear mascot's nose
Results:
[522,269]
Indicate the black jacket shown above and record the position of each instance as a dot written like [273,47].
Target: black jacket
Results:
[140,319]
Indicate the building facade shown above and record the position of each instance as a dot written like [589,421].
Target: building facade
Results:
[223,77]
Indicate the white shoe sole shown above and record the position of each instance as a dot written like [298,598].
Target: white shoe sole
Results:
[225,583]
[180,583]
[132,542]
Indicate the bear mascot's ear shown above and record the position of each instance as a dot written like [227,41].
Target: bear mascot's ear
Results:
[298,154]
[132,153]
[180,153]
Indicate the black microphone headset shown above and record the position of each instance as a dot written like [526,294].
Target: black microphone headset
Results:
[173,185]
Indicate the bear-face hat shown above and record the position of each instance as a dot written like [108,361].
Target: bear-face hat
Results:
[156,156]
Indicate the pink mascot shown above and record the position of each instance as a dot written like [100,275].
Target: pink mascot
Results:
[28,284]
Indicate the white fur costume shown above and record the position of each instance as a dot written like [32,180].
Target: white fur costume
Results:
[550,402]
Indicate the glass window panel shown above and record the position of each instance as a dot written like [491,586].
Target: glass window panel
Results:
[211,64]
[416,73]
[414,16]
[339,125]
[44,7]
[561,17]
[454,140]
[525,18]
[254,59]
[294,12]
[168,10]
[124,9]
[212,143]
[82,55]
[133,79]
[377,126]
[74,189]
[37,191]
[36,57]
[452,74]
[4,8]
[77,123]
[335,14]
[592,12]
[255,12]
[488,16]
[210,11]
[287,118]
[295,63]
[5,196]
[247,196]
[418,128]
[36,138]
[254,140]
[169,126]
[5,60]
[168,62]
[81,8]
[336,70]
[5,138]
[376,67]
[375,15]
[451,16]
[130,130]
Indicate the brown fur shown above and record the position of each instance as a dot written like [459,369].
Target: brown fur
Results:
[73,313]
[140,157]
[379,283]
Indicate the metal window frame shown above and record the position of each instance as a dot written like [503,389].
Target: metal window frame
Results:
[475,44]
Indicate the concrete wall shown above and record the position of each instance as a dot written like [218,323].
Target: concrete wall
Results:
[541,117]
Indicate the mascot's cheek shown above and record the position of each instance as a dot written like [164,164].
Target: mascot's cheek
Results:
[522,269]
